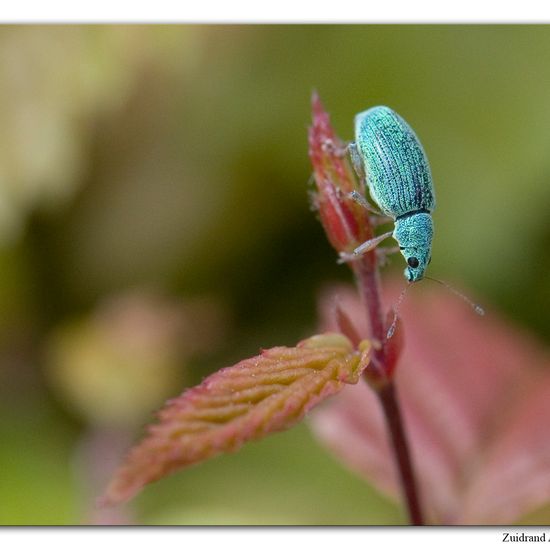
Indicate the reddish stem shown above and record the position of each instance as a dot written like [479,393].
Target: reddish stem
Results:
[366,272]
[368,280]
[390,405]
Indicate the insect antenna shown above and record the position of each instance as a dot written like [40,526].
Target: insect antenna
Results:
[395,308]
[477,308]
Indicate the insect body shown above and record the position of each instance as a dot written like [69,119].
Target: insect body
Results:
[390,158]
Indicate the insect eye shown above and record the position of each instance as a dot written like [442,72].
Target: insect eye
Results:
[413,262]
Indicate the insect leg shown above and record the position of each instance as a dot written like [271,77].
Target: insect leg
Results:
[380,220]
[364,248]
[383,254]
[339,151]
[357,161]
[359,199]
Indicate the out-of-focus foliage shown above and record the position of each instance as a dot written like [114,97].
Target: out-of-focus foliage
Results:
[175,158]
[475,394]
[128,356]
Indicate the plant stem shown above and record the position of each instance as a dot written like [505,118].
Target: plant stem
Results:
[366,272]
[390,405]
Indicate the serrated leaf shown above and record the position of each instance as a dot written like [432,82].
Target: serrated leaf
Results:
[256,397]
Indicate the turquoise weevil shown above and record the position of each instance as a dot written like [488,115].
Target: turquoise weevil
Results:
[390,160]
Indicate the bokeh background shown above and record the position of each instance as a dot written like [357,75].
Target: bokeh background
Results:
[155,226]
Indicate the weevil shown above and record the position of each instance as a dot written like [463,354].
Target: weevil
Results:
[389,158]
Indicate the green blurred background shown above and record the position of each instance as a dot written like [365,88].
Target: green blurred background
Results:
[155,226]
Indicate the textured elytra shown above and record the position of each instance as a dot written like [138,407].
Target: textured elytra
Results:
[399,180]
[256,397]
[397,169]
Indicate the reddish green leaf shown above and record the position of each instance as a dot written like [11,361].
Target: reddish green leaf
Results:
[256,397]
